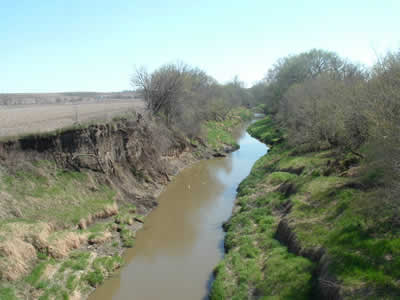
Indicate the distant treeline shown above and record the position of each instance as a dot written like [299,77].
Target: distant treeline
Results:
[324,101]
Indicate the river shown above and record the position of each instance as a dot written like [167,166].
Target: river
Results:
[182,239]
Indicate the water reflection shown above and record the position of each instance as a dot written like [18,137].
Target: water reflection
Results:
[182,238]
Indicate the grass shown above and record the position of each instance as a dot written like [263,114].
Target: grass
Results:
[125,217]
[279,177]
[54,292]
[77,272]
[244,113]
[78,261]
[326,212]
[7,293]
[107,264]
[219,133]
[127,237]
[98,227]
[60,196]
[42,255]
[266,131]
[37,272]
[260,108]
[72,282]
[102,267]
[43,284]
[94,278]
[256,263]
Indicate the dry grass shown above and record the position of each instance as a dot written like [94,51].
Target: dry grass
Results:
[16,258]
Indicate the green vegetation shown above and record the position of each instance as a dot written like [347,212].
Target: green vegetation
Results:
[244,113]
[102,267]
[255,261]
[7,293]
[79,271]
[265,132]
[326,204]
[127,237]
[126,217]
[36,273]
[64,195]
[107,264]
[62,198]
[252,251]
[72,282]
[54,287]
[94,278]
[219,133]
[54,292]
[78,261]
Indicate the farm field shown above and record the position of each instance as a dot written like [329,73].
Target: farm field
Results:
[25,119]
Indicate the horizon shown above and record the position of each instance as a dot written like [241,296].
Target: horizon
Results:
[95,46]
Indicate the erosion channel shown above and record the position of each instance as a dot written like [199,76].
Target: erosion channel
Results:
[182,239]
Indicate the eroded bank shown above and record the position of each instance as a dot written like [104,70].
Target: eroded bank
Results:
[71,200]
[182,239]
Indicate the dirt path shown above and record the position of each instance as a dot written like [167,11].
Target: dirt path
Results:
[23,119]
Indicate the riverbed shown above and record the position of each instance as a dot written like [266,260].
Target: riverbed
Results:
[182,239]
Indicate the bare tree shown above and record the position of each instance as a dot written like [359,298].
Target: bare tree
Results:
[161,90]
[185,96]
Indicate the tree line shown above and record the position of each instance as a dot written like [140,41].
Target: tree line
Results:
[324,101]
[184,97]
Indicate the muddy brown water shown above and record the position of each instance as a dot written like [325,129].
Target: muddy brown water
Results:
[182,239]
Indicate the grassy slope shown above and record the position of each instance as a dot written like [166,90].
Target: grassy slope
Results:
[218,133]
[325,213]
[59,195]
[62,198]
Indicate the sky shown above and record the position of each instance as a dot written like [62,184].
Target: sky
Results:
[85,45]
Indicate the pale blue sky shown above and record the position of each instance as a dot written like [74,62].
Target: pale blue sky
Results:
[84,45]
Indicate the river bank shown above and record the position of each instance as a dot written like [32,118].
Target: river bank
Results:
[72,200]
[301,229]
[182,238]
